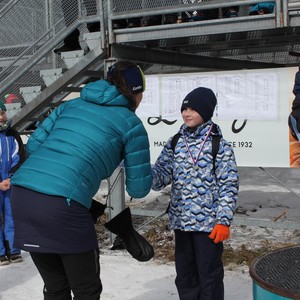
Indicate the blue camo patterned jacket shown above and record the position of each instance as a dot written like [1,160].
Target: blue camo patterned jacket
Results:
[200,197]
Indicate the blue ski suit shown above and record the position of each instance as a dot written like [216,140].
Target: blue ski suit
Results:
[12,156]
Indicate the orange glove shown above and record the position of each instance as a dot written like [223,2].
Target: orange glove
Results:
[220,233]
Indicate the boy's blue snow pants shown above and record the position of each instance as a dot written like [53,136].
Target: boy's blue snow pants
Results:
[199,266]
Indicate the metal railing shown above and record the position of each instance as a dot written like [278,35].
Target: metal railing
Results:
[29,31]
[26,26]
[119,9]
[184,9]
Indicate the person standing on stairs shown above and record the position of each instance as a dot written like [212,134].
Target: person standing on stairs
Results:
[71,12]
[12,156]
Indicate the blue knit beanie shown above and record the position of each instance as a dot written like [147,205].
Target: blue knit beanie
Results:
[202,100]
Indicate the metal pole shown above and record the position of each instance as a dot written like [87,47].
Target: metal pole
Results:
[50,24]
[285,13]
[100,10]
[110,9]
[279,182]
[278,13]
[116,195]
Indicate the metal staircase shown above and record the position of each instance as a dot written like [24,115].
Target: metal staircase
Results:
[31,71]
[31,29]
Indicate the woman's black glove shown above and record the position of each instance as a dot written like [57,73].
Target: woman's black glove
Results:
[135,244]
[97,210]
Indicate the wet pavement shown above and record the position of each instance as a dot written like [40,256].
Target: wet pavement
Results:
[270,194]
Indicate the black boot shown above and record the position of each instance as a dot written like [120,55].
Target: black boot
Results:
[136,245]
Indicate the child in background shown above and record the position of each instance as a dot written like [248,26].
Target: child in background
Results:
[12,155]
[203,198]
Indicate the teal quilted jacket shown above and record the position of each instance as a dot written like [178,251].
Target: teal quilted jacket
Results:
[82,142]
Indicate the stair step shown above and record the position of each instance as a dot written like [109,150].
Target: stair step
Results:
[71,58]
[92,39]
[30,92]
[51,75]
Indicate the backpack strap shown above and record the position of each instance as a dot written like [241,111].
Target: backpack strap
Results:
[174,141]
[215,148]
[216,138]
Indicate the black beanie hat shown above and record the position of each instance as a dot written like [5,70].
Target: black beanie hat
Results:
[202,100]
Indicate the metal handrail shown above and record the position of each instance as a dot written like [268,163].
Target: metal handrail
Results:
[7,7]
[293,5]
[113,14]
[42,52]
[37,53]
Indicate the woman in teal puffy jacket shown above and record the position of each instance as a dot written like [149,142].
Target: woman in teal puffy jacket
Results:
[81,143]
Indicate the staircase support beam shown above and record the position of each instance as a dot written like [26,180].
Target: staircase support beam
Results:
[156,56]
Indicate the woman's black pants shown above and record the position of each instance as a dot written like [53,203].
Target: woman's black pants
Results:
[66,273]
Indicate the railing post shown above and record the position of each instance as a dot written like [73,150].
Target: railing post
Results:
[116,197]
[50,24]
[111,38]
[278,14]
[116,183]
[285,13]
[100,12]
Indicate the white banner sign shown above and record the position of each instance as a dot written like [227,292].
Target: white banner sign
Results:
[252,111]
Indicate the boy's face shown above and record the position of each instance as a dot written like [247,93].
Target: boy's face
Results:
[191,118]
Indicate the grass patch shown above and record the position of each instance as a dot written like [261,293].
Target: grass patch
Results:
[162,239]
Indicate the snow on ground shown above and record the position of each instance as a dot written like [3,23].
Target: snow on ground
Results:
[261,197]
[123,279]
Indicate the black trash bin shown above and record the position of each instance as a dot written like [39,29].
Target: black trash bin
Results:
[276,275]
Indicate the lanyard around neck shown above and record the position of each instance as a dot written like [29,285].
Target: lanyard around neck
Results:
[189,150]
